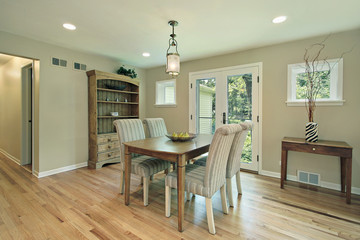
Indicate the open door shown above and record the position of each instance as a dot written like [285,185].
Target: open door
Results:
[27,109]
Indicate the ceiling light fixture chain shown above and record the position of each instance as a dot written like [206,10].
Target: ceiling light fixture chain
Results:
[173,58]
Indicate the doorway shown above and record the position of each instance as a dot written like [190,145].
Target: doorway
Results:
[227,96]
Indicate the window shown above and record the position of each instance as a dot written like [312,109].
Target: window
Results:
[331,85]
[166,93]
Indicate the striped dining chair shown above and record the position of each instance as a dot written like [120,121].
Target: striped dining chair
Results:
[156,127]
[234,160]
[144,166]
[207,180]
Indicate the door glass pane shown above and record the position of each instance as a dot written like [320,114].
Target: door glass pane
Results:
[239,97]
[205,100]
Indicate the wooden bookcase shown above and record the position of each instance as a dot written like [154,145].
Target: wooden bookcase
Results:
[108,92]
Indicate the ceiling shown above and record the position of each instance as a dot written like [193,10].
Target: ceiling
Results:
[124,29]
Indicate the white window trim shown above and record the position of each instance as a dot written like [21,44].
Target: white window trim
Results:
[336,79]
[156,94]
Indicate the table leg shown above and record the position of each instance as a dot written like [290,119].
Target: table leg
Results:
[348,179]
[127,175]
[343,173]
[284,154]
[181,188]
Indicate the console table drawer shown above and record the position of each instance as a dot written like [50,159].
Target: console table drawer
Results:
[317,149]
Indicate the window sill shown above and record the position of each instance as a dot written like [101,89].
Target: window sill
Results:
[165,105]
[318,103]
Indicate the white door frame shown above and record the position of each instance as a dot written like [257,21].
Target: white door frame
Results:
[212,73]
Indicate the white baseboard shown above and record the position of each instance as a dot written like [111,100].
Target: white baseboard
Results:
[9,156]
[329,185]
[60,170]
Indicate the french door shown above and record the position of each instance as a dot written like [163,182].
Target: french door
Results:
[226,96]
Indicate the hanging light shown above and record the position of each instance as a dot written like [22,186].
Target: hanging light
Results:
[173,58]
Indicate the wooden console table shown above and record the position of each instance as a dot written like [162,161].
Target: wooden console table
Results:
[332,148]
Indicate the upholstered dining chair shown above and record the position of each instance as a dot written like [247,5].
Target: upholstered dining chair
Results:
[156,127]
[234,160]
[144,166]
[207,180]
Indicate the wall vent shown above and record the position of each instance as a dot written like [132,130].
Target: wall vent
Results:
[79,66]
[309,178]
[58,62]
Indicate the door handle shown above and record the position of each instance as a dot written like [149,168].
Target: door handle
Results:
[224,118]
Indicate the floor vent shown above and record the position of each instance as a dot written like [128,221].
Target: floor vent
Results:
[309,178]
[58,62]
[79,66]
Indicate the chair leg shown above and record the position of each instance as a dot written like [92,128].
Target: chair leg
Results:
[229,191]
[146,190]
[223,200]
[210,215]
[167,201]
[238,183]
[122,178]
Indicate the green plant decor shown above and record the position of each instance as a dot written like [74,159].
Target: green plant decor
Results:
[127,72]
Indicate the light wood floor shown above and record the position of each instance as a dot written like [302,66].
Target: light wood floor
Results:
[85,204]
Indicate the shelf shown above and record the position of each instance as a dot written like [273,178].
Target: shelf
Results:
[123,97]
[134,103]
[118,117]
[117,91]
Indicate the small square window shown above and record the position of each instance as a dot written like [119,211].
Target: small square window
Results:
[166,92]
[331,91]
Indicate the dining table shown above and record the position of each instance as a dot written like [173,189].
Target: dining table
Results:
[173,151]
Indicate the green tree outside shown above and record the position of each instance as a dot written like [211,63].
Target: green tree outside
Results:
[239,105]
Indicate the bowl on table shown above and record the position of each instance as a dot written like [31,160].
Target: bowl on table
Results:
[178,137]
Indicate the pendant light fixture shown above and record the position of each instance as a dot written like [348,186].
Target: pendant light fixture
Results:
[172,57]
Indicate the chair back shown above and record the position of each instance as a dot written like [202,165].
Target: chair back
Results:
[218,156]
[128,130]
[234,161]
[156,127]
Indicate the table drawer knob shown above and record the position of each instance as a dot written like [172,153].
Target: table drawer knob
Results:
[109,155]
[314,149]
[109,147]
[109,139]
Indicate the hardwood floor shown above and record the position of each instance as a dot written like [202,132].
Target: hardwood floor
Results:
[85,204]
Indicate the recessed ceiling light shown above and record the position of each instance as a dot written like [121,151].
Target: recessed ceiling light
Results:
[69,26]
[146,54]
[279,19]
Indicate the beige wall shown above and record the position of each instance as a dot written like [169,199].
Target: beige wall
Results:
[62,93]
[10,106]
[278,120]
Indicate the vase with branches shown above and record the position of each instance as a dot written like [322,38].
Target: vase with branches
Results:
[315,75]
[317,72]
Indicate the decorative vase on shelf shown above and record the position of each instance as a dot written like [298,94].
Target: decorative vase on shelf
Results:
[311,132]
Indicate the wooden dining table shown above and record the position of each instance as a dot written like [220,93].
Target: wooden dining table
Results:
[164,148]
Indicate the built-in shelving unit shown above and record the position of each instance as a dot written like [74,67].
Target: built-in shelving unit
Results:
[109,92]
